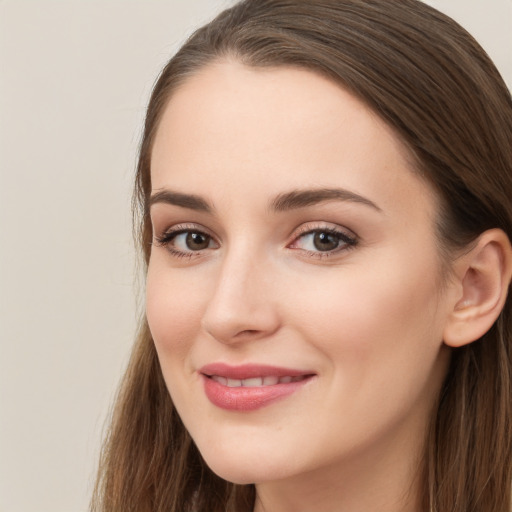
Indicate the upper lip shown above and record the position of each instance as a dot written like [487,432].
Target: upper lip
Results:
[249,371]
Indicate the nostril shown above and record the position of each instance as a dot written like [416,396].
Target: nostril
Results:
[247,333]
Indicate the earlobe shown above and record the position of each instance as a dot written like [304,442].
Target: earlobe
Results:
[484,275]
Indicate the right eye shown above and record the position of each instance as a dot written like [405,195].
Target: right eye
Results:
[186,242]
[192,240]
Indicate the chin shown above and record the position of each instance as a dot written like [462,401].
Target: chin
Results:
[245,468]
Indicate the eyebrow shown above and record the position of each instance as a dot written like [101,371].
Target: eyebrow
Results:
[292,200]
[189,201]
[303,198]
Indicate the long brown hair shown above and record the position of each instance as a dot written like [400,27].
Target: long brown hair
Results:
[434,85]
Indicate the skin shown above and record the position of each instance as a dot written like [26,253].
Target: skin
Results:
[366,319]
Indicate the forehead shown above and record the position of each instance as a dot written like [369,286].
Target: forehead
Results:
[230,124]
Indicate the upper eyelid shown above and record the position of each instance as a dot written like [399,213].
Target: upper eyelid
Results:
[184,227]
[310,227]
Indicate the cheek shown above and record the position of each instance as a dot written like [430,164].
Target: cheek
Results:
[380,334]
[373,314]
[174,308]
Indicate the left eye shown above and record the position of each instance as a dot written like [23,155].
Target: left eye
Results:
[323,240]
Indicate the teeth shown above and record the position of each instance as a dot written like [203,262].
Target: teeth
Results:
[252,383]
[220,380]
[255,381]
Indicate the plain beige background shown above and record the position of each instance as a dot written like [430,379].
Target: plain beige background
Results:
[74,79]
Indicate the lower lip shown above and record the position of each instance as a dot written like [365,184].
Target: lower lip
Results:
[246,399]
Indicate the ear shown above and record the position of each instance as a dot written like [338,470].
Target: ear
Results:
[483,277]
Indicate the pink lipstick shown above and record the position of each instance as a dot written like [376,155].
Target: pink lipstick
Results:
[250,387]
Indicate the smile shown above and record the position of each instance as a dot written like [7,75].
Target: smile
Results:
[256,381]
[250,387]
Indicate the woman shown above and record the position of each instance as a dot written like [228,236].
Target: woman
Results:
[324,196]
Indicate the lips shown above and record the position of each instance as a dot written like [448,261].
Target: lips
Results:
[250,387]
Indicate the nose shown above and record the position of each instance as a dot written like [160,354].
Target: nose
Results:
[243,306]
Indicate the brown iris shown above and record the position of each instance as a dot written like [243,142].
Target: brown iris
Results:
[324,241]
[197,241]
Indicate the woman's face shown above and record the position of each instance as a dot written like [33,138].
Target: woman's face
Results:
[294,290]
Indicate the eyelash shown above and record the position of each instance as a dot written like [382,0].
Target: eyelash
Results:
[346,241]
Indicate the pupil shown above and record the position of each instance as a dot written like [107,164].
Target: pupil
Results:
[325,241]
[197,241]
